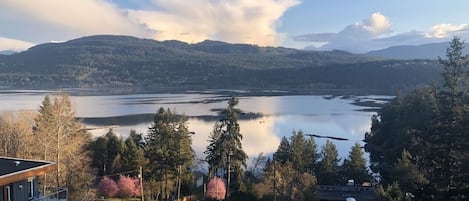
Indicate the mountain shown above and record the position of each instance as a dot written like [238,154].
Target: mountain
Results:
[125,61]
[8,52]
[425,51]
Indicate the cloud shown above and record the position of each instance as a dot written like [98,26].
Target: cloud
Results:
[354,37]
[446,30]
[239,21]
[42,21]
[375,33]
[15,45]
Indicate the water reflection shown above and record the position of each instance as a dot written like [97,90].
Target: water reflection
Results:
[334,116]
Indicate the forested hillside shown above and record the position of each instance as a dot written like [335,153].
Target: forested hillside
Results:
[124,61]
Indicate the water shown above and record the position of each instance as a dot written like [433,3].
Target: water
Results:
[324,115]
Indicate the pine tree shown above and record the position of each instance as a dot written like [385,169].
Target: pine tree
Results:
[355,166]
[328,165]
[168,150]
[284,151]
[225,145]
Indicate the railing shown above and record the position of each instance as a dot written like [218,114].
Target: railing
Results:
[53,194]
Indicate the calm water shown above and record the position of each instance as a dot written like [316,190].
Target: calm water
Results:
[325,115]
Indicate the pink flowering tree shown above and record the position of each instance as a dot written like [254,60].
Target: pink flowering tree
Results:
[107,187]
[216,189]
[127,187]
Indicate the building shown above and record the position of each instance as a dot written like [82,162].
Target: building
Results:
[19,179]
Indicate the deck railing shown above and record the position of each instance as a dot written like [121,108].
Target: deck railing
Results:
[53,194]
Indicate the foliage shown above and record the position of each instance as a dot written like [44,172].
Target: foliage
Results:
[225,145]
[16,136]
[391,193]
[122,61]
[285,183]
[128,187]
[355,166]
[328,170]
[420,139]
[107,187]
[216,189]
[63,139]
[300,151]
[168,150]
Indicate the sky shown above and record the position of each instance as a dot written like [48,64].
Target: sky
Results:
[356,26]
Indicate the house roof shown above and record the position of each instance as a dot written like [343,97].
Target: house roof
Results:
[15,169]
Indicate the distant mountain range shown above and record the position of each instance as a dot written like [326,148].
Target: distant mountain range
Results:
[123,61]
[425,51]
[8,52]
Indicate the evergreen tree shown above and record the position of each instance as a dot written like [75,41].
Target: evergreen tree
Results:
[115,148]
[310,156]
[407,174]
[133,156]
[328,165]
[298,151]
[355,166]
[284,151]
[168,151]
[99,153]
[225,145]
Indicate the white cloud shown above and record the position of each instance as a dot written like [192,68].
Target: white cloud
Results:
[239,21]
[377,24]
[47,20]
[375,33]
[354,37]
[445,30]
[15,45]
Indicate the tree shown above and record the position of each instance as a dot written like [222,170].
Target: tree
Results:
[133,156]
[16,136]
[115,148]
[355,166]
[128,187]
[328,165]
[99,153]
[107,187]
[63,138]
[300,151]
[431,124]
[391,193]
[225,145]
[283,182]
[283,153]
[216,189]
[168,150]
[407,174]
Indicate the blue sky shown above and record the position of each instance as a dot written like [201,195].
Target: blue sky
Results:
[352,25]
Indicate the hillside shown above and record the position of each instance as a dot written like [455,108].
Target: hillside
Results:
[425,51]
[124,61]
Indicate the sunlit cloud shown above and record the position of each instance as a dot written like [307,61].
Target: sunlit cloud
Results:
[354,37]
[49,20]
[376,32]
[445,30]
[15,45]
[237,21]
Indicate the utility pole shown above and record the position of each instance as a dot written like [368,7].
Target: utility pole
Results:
[275,182]
[140,176]
[228,176]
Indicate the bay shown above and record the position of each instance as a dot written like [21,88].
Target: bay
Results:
[265,119]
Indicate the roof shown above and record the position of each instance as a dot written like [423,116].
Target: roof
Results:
[15,169]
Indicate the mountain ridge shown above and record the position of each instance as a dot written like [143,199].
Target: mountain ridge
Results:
[126,61]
